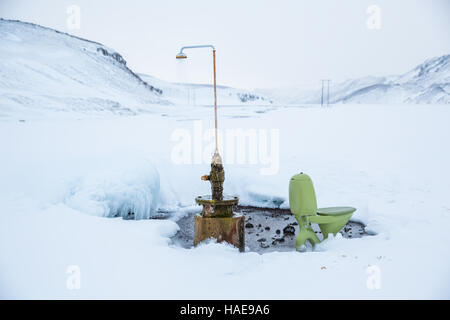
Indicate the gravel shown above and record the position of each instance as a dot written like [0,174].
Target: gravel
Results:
[266,221]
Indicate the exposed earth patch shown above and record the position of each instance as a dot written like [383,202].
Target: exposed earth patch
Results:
[266,229]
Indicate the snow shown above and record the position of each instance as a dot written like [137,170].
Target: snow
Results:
[203,94]
[73,168]
[44,72]
[108,193]
[427,83]
[58,177]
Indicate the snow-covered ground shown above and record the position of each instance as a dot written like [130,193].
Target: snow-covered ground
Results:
[60,177]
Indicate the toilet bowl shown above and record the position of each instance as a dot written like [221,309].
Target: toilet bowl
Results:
[332,220]
[303,204]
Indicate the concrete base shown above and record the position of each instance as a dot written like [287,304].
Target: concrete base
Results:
[229,229]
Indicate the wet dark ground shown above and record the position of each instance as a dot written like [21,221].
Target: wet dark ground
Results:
[266,229]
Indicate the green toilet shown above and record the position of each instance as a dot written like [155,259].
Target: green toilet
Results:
[303,203]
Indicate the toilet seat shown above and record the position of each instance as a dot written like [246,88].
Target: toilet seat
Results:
[335,211]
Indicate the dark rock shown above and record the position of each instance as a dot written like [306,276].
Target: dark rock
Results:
[278,231]
[276,241]
[289,230]
[267,228]
[261,240]
[248,225]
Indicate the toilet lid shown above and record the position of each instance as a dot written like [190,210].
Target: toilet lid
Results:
[334,211]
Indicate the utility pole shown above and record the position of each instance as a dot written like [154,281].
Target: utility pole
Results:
[328,92]
[194,96]
[321,97]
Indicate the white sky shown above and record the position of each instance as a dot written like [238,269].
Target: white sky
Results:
[260,44]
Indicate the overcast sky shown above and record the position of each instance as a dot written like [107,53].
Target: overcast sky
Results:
[260,44]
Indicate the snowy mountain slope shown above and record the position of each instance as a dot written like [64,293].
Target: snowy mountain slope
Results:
[203,94]
[427,83]
[43,69]
[432,71]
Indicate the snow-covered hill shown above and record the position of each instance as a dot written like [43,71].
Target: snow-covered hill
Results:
[427,83]
[45,70]
[203,94]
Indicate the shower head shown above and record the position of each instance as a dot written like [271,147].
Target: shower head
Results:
[181,55]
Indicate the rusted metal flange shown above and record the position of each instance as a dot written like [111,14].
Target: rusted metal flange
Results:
[228,229]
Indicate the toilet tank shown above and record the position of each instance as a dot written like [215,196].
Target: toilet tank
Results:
[302,198]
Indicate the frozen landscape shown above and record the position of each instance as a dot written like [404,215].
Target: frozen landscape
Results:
[85,141]
[427,83]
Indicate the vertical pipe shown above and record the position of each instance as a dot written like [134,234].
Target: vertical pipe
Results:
[215,98]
